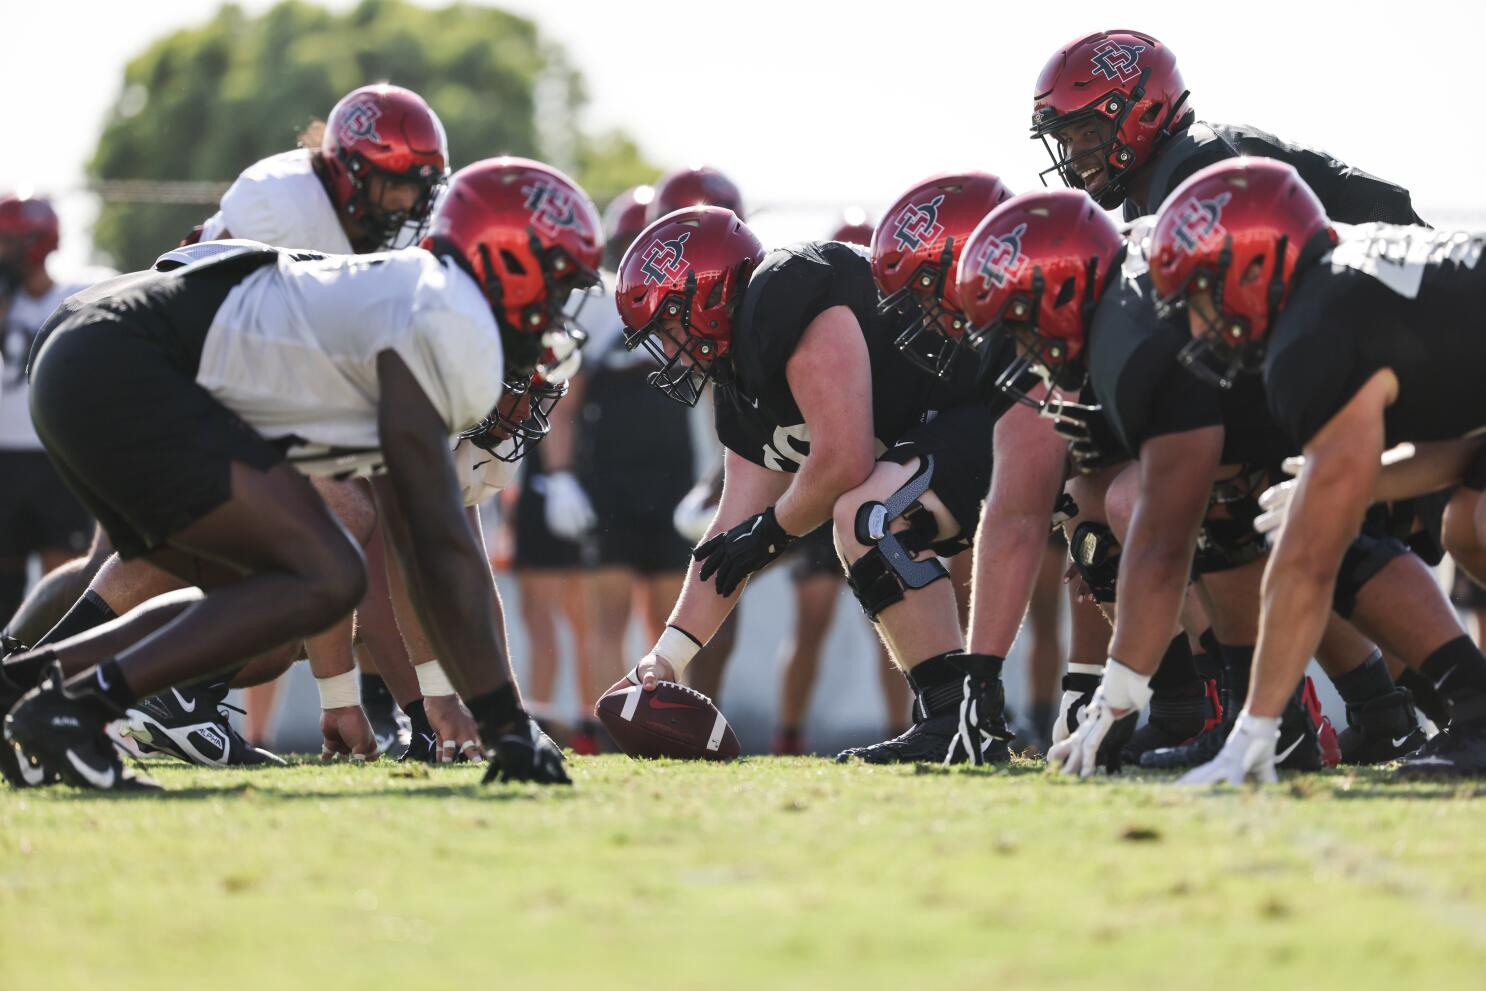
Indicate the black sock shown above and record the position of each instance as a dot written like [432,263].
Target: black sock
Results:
[937,684]
[1177,674]
[1367,681]
[88,612]
[374,691]
[25,670]
[1238,661]
[417,718]
[104,685]
[1426,699]
[496,712]
[1456,669]
[1209,643]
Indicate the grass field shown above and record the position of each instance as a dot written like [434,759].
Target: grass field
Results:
[768,873]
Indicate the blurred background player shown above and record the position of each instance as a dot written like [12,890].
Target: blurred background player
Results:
[38,515]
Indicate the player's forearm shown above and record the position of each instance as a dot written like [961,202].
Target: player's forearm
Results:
[811,496]
[699,610]
[1154,568]
[1008,554]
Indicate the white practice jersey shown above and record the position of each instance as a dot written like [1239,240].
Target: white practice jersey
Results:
[19,325]
[293,350]
[280,201]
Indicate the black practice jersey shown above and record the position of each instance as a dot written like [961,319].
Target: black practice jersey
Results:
[1406,298]
[1350,195]
[757,416]
[1146,393]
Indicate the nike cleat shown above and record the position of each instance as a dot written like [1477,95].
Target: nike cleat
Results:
[191,724]
[1457,751]
[1201,749]
[1299,747]
[1175,719]
[1382,730]
[64,736]
[16,767]
[926,741]
[393,729]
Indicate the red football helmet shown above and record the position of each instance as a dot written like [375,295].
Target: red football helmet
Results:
[624,219]
[1237,231]
[28,233]
[914,250]
[680,284]
[853,228]
[1031,275]
[530,237]
[391,132]
[1124,80]
[699,185]
[524,413]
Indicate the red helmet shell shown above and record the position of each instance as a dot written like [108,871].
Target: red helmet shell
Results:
[529,233]
[699,185]
[698,259]
[31,221]
[920,237]
[1040,259]
[388,130]
[1125,77]
[1238,230]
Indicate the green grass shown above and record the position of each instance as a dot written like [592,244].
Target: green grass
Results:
[767,873]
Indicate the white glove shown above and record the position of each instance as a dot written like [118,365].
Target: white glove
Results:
[1249,752]
[1121,696]
[569,513]
[1275,500]
[693,514]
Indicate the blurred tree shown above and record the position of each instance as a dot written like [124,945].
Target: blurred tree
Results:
[205,102]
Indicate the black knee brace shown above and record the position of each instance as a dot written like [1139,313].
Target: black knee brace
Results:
[1367,555]
[879,577]
[1096,555]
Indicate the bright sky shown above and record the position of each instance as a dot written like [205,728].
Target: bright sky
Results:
[835,103]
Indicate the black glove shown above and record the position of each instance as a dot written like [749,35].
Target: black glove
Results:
[1092,443]
[983,717]
[525,753]
[744,549]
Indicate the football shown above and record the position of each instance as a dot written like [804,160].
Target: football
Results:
[672,721]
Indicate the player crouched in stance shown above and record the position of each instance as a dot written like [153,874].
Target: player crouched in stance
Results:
[824,418]
[1367,337]
[258,362]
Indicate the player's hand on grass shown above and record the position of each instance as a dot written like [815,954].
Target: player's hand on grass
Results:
[525,753]
[1107,725]
[1248,753]
[346,732]
[455,728]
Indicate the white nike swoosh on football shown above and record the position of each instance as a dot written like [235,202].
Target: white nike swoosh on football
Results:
[182,700]
[1279,758]
[94,777]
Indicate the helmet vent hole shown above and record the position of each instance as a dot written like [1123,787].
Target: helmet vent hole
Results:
[714,297]
[1253,271]
[1153,112]
[1066,293]
[512,263]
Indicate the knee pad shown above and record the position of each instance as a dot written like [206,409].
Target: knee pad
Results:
[1096,555]
[878,579]
[1365,557]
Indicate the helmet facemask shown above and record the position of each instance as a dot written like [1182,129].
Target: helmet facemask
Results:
[391,229]
[1041,359]
[934,334]
[692,360]
[1227,345]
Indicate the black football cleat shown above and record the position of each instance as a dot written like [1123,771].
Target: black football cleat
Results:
[926,741]
[392,729]
[1199,750]
[1299,745]
[1382,730]
[15,766]
[422,749]
[64,736]
[1457,751]
[1175,719]
[191,724]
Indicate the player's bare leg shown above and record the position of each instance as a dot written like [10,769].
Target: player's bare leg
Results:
[816,596]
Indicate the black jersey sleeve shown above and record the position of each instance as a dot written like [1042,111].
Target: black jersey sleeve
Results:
[1193,149]
[1179,403]
[1314,365]
[1350,195]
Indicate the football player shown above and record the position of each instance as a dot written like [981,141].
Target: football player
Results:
[260,362]
[1073,310]
[37,513]
[379,163]
[1367,338]
[824,416]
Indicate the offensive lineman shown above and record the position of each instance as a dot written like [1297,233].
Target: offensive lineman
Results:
[258,361]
